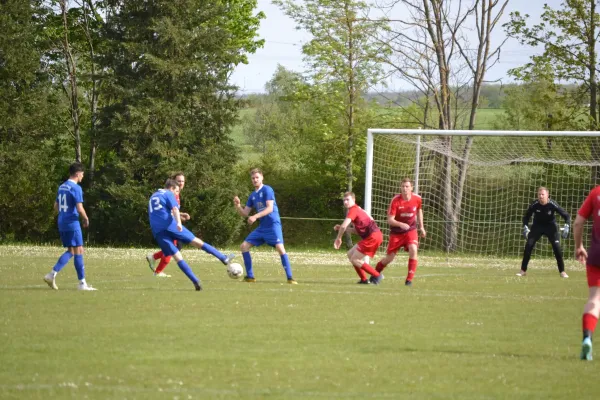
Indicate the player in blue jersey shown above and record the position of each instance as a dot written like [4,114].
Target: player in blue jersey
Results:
[69,205]
[269,228]
[165,221]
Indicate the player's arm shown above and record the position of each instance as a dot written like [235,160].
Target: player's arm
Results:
[238,207]
[420,222]
[580,252]
[340,230]
[266,211]
[391,219]
[528,215]
[563,214]
[56,206]
[81,211]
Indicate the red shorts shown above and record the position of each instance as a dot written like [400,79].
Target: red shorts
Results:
[593,275]
[402,240]
[370,244]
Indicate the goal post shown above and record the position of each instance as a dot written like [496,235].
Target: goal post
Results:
[476,185]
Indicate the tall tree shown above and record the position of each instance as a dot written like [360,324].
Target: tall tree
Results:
[342,50]
[432,52]
[170,62]
[569,36]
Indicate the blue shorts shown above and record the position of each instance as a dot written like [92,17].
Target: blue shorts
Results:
[271,236]
[165,239]
[71,238]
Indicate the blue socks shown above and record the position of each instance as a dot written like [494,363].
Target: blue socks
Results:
[211,250]
[248,264]
[285,261]
[79,266]
[183,266]
[62,261]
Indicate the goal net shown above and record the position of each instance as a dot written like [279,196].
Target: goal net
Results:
[477,185]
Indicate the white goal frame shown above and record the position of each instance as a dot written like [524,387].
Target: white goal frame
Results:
[417,135]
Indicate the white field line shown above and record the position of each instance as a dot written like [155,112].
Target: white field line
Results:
[189,391]
[398,290]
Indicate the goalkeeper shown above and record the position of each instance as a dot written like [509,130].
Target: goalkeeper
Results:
[544,224]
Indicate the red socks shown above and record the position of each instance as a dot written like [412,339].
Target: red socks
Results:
[380,267]
[157,255]
[368,269]
[589,322]
[361,274]
[412,268]
[162,264]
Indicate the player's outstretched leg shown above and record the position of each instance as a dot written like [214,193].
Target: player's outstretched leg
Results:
[158,272]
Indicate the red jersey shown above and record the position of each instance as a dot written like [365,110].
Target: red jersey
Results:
[363,223]
[591,208]
[405,211]
[177,198]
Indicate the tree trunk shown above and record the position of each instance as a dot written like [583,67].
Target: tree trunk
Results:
[72,73]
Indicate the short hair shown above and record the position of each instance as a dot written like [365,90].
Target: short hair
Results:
[256,171]
[75,168]
[351,194]
[176,174]
[543,188]
[407,179]
[171,183]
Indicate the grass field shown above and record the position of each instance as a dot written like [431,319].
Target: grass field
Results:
[467,329]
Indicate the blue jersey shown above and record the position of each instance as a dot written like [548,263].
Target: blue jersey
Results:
[68,196]
[258,201]
[159,210]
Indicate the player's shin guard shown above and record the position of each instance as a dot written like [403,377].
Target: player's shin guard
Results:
[185,268]
[361,274]
[412,268]
[162,264]
[559,256]
[369,270]
[589,322]
[248,264]
[212,251]
[380,266]
[158,255]
[285,261]
[79,266]
[62,261]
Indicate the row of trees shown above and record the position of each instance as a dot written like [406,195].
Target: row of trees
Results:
[137,89]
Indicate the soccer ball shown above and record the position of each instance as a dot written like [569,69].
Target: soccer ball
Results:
[235,270]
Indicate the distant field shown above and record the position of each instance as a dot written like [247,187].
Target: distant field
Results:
[467,329]
[485,120]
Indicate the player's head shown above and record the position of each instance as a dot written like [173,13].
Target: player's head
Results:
[349,199]
[543,195]
[256,175]
[172,185]
[180,179]
[406,186]
[76,171]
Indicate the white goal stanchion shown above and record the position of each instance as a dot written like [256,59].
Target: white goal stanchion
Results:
[476,185]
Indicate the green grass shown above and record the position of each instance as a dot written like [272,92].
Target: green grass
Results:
[467,329]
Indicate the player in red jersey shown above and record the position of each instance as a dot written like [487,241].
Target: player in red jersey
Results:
[591,311]
[164,260]
[404,215]
[367,229]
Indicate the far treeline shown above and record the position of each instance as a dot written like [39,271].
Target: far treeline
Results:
[139,89]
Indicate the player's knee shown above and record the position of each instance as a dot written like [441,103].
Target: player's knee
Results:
[245,247]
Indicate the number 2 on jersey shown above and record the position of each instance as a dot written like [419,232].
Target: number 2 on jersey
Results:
[157,205]
[62,203]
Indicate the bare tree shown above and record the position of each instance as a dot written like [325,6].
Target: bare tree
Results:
[432,52]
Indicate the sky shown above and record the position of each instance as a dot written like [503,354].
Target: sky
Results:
[283,45]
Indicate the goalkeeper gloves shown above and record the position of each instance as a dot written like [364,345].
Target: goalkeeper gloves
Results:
[565,232]
[525,231]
